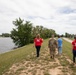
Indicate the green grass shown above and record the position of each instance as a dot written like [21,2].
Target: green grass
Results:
[17,55]
[20,54]
[7,59]
[67,49]
[71,38]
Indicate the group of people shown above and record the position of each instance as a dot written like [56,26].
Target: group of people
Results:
[53,45]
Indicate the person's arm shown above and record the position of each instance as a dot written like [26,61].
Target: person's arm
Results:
[34,43]
[41,40]
[56,42]
[72,43]
[49,44]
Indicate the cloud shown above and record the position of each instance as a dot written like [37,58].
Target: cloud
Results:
[59,15]
[67,10]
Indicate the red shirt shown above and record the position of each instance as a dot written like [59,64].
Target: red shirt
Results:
[38,42]
[74,44]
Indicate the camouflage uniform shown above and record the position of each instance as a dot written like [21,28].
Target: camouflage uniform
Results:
[52,44]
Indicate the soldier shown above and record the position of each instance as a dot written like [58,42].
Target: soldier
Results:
[52,44]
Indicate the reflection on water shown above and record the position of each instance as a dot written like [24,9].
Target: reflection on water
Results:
[6,44]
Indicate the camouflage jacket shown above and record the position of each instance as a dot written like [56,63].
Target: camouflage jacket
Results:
[52,43]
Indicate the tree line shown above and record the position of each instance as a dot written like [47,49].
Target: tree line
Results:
[68,35]
[24,32]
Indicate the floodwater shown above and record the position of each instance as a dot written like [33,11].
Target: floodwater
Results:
[6,44]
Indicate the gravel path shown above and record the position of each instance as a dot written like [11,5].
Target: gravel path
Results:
[68,40]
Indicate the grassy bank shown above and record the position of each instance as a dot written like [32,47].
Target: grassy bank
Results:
[17,55]
[7,59]
[67,49]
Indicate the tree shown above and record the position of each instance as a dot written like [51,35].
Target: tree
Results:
[22,33]
[5,35]
[44,32]
[69,35]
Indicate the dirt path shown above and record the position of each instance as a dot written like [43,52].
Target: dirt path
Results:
[43,65]
[67,40]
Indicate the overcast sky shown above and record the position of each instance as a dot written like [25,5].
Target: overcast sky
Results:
[59,15]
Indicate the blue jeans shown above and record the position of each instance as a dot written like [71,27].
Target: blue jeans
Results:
[59,50]
[74,55]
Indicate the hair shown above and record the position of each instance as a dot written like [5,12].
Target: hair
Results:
[38,36]
[75,37]
[58,36]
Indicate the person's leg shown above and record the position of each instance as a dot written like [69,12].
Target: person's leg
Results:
[54,53]
[59,50]
[73,56]
[50,53]
[38,50]
[75,53]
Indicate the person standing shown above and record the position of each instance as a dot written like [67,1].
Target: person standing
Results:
[74,49]
[52,44]
[38,42]
[59,45]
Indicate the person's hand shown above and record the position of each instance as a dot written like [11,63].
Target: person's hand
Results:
[42,40]
[56,49]
[33,46]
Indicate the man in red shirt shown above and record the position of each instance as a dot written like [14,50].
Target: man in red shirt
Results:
[74,49]
[38,42]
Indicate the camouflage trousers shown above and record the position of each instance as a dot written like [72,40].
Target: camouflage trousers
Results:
[52,52]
